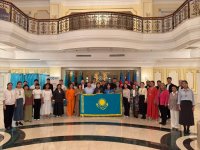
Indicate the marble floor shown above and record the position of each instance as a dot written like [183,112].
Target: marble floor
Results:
[97,133]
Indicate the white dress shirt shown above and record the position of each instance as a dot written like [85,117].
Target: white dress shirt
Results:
[126,93]
[143,91]
[186,94]
[37,93]
[93,85]
[19,93]
[9,97]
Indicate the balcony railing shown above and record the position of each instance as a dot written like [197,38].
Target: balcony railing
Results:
[101,20]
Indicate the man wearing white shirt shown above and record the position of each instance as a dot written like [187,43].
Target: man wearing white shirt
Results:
[94,83]
[89,89]
[35,82]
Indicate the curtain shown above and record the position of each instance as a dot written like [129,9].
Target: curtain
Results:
[66,79]
[129,77]
[80,77]
[42,79]
[30,78]
[15,78]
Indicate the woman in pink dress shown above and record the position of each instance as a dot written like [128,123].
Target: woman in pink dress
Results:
[152,107]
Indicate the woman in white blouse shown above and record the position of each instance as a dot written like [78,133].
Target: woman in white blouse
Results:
[143,100]
[47,105]
[8,106]
[37,95]
[126,100]
[19,105]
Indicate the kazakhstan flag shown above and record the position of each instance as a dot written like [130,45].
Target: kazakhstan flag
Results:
[101,105]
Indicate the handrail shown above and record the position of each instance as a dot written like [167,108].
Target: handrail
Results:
[103,20]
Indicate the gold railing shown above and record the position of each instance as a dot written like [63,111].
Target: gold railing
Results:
[103,20]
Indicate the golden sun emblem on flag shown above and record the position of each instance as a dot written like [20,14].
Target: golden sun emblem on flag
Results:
[102,104]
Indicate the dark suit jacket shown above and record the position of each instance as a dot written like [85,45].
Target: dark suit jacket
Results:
[170,87]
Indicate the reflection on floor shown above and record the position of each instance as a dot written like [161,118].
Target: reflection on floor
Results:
[89,133]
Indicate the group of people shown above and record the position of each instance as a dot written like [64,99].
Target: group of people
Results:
[24,103]
[165,101]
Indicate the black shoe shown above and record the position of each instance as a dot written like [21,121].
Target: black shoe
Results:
[143,117]
[8,128]
[185,133]
[20,123]
[16,124]
[188,132]
[163,123]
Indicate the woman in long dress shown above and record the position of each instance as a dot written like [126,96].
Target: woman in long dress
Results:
[79,91]
[186,106]
[58,96]
[47,97]
[135,100]
[28,107]
[20,101]
[70,96]
[152,107]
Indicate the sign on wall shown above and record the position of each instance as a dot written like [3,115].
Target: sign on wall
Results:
[54,81]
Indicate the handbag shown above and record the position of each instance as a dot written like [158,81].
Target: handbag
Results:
[65,102]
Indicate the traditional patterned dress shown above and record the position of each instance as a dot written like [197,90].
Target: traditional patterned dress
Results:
[70,96]
[28,108]
[135,102]
[152,107]
[78,94]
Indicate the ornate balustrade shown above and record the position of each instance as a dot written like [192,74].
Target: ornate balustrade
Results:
[103,20]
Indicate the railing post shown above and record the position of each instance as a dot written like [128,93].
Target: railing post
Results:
[38,27]
[163,25]
[173,21]
[10,13]
[142,26]
[27,24]
[58,27]
[188,9]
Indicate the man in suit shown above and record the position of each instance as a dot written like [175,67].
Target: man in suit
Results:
[169,86]
[114,84]
[50,85]
[103,85]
